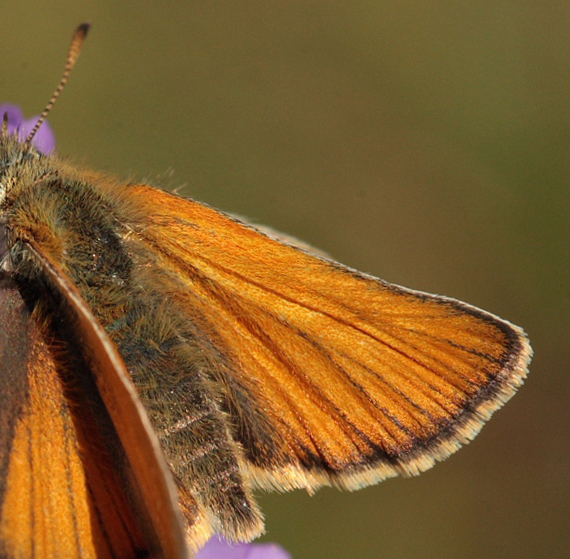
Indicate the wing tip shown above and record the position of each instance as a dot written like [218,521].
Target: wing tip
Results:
[462,430]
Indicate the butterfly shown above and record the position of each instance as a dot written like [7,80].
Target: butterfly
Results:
[160,360]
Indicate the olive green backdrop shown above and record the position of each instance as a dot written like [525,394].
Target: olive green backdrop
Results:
[424,142]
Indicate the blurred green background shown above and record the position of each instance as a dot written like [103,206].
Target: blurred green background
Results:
[423,142]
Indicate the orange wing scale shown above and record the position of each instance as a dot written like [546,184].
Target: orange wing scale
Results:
[361,379]
[62,494]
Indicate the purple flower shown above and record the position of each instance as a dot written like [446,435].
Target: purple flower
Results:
[44,140]
[217,548]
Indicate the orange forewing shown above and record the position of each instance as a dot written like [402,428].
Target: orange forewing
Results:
[334,376]
[66,489]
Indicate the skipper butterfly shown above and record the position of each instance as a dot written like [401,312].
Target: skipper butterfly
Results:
[160,360]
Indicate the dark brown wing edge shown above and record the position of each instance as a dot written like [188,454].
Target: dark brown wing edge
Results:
[427,452]
[14,391]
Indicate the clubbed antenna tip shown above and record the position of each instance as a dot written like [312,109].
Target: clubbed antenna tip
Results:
[73,54]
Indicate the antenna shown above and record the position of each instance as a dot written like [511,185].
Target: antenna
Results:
[72,56]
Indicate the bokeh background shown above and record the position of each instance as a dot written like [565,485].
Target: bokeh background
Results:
[423,142]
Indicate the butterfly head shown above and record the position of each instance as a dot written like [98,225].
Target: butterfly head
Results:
[15,149]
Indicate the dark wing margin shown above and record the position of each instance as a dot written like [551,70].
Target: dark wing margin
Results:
[333,377]
[14,354]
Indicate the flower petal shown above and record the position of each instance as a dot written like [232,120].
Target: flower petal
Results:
[217,548]
[15,116]
[44,140]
